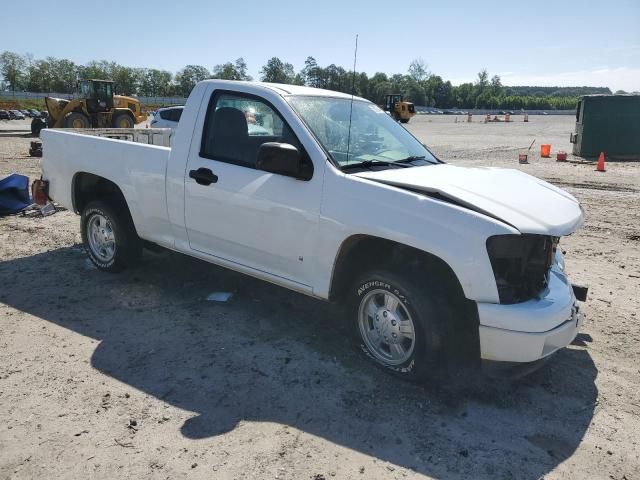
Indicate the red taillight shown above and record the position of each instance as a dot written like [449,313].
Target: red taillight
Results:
[40,192]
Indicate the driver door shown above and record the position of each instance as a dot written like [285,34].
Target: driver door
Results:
[233,211]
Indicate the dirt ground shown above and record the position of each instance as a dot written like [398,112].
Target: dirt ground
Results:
[137,376]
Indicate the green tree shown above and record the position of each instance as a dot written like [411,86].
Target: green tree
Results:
[495,86]
[224,71]
[463,95]
[363,86]
[481,83]
[100,70]
[242,70]
[312,73]
[187,78]
[418,70]
[298,79]
[378,87]
[39,76]
[414,91]
[231,71]
[337,78]
[440,92]
[277,71]
[381,90]
[127,79]
[155,83]
[12,68]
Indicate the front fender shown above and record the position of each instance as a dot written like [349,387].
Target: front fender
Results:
[452,233]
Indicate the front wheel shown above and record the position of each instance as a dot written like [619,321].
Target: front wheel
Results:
[109,236]
[397,324]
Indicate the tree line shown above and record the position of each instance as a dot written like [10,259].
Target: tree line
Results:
[419,85]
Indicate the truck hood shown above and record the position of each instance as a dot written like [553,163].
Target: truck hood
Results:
[525,202]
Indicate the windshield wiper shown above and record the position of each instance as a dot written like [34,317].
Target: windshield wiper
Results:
[412,158]
[375,163]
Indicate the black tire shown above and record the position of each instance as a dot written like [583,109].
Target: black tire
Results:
[76,120]
[426,361]
[37,125]
[404,120]
[128,246]
[122,120]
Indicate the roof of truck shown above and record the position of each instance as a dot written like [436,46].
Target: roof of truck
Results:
[287,89]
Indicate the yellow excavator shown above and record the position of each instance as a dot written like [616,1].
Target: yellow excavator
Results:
[400,110]
[97,107]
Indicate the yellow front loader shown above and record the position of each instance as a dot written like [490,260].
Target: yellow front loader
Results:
[400,110]
[97,107]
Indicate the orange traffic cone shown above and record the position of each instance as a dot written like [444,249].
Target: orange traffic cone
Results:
[600,166]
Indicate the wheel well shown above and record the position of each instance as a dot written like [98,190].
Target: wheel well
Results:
[360,253]
[87,187]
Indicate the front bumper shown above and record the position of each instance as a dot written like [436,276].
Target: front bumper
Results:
[531,330]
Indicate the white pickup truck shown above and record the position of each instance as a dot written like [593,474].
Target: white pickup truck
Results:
[325,194]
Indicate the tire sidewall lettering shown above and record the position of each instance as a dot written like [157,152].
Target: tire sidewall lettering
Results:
[362,289]
[94,259]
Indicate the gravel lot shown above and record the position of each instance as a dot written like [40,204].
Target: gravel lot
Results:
[136,376]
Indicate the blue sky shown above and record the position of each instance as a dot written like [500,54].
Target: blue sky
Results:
[561,42]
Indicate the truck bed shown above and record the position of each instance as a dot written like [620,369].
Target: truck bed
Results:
[133,159]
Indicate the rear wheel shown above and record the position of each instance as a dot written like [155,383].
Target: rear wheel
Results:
[76,120]
[109,236]
[404,120]
[122,120]
[397,324]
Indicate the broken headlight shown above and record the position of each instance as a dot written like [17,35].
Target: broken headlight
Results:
[521,264]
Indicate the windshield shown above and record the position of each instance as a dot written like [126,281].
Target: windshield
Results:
[374,136]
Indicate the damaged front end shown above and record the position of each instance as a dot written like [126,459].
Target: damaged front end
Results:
[537,313]
[521,265]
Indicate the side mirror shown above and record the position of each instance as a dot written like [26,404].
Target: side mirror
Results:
[281,158]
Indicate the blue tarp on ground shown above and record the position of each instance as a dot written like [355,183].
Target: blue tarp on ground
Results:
[14,194]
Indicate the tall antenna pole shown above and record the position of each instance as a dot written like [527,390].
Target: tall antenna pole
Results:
[353,88]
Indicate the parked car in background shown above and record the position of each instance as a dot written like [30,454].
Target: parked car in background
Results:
[26,113]
[35,113]
[17,114]
[4,115]
[167,117]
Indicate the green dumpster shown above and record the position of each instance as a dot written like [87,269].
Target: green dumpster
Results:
[609,124]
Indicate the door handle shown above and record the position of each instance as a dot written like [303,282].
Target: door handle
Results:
[203,176]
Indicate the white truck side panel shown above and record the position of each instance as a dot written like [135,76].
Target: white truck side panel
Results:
[138,169]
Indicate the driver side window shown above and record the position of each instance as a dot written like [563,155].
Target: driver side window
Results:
[237,125]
